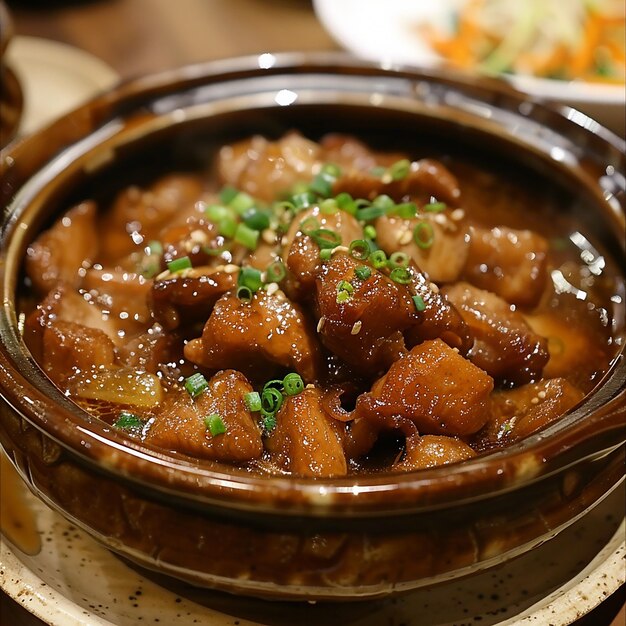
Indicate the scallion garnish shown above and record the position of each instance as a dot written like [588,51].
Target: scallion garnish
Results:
[271,400]
[359,249]
[227,194]
[435,207]
[227,226]
[196,384]
[400,275]
[400,169]
[326,254]
[217,212]
[323,183]
[269,422]
[344,291]
[378,259]
[253,401]
[378,171]
[180,264]
[255,219]
[405,210]
[275,272]
[293,384]
[369,213]
[399,259]
[325,238]
[154,247]
[419,303]
[242,202]
[251,278]
[309,225]
[215,424]
[303,200]
[346,203]
[363,272]
[423,235]
[244,293]
[384,202]
[128,421]
[370,232]
[329,206]
[246,236]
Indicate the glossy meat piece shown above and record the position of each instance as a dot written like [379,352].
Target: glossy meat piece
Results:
[301,254]
[66,305]
[366,330]
[179,425]
[505,346]
[123,296]
[516,413]
[350,153]
[440,319]
[151,351]
[510,263]
[68,348]
[427,179]
[267,169]
[432,451]
[251,337]
[435,387]
[306,440]
[187,298]
[444,260]
[138,215]
[62,252]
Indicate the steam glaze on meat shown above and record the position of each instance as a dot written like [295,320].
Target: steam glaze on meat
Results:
[320,309]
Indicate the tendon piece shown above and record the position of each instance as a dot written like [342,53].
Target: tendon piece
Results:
[251,336]
[363,326]
[505,346]
[517,413]
[510,263]
[266,169]
[181,423]
[432,451]
[433,386]
[301,254]
[445,256]
[187,298]
[440,318]
[68,348]
[124,297]
[65,304]
[65,250]
[138,215]
[426,180]
[306,440]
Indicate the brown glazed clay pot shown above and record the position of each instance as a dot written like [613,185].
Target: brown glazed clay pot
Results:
[352,537]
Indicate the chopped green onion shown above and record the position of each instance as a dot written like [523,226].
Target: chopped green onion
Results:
[363,272]
[400,275]
[271,400]
[423,235]
[227,226]
[406,210]
[196,384]
[128,421]
[269,422]
[359,249]
[154,247]
[250,277]
[384,202]
[275,272]
[370,232]
[399,259]
[308,225]
[343,296]
[253,401]
[378,259]
[329,206]
[303,200]
[293,384]
[435,207]
[242,202]
[149,269]
[346,203]
[180,264]
[344,285]
[255,219]
[325,238]
[246,236]
[217,212]
[326,254]
[227,194]
[244,293]
[419,303]
[400,169]
[369,213]
[215,424]
[378,171]
[331,169]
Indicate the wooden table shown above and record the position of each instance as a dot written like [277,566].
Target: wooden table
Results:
[136,37]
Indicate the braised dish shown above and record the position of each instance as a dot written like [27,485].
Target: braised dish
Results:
[315,330]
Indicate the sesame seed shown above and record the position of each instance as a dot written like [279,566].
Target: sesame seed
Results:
[405,237]
[434,288]
[320,324]
[356,328]
[457,215]
[541,394]
[269,236]
[535,401]
[198,236]
[440,219]
[272,288]
[231,268]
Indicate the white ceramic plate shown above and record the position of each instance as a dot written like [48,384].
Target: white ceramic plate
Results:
[386,31]
[55,78]
[73,581]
